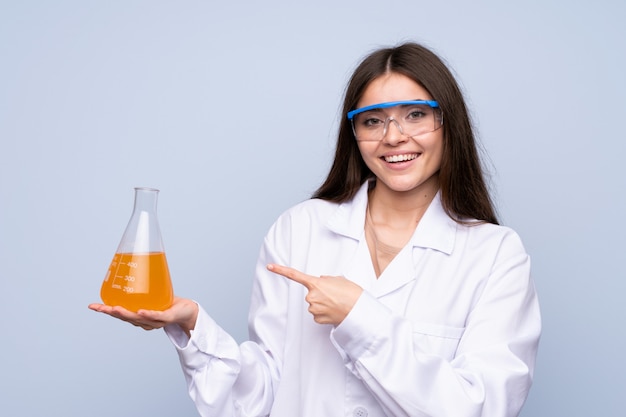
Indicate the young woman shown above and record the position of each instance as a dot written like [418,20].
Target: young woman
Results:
[393,291]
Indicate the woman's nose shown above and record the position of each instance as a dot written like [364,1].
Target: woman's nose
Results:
[393,133]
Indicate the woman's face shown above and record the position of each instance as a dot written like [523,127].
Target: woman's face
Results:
[399,162]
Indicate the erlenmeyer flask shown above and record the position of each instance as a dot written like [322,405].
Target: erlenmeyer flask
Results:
[138,277]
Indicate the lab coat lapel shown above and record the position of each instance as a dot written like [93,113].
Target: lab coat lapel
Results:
[436,231]
[349,222]
[398,273]
[360,269]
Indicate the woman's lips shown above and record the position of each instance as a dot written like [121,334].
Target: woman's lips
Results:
[400,158]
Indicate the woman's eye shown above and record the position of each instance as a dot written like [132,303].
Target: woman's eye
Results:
[372,122]
[416,114]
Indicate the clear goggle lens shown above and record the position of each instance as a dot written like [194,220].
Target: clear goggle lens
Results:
[411,118]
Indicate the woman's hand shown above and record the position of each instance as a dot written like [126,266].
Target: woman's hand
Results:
[182,312]
[330,298]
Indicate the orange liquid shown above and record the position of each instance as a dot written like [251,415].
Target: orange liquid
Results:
[138,281]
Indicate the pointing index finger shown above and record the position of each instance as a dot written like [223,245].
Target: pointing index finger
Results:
[292,274]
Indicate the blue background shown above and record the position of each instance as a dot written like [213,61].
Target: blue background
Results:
[230,109]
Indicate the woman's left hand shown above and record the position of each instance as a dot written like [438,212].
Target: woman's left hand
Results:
[330,298]
[182,312]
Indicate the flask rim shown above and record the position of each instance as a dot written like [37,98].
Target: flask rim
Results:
[146,189]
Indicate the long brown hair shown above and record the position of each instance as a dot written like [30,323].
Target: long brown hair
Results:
[464,193]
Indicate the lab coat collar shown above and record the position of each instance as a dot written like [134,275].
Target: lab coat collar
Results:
[349,218]
[436,230]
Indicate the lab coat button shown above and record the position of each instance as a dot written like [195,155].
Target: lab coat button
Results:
[360,412]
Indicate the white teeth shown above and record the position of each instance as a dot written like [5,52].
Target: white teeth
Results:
[400,158]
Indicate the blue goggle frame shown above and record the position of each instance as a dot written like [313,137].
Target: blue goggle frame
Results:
[430,103]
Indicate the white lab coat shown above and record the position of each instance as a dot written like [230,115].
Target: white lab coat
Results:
[450,328]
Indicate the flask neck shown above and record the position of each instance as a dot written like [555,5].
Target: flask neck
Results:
[146,199]
[142,234]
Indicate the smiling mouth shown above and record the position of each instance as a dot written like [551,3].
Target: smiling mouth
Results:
[400,158]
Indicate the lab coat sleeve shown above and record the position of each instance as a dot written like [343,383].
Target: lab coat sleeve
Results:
[210,361]
[491,372]
[223,379]
[229,380]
